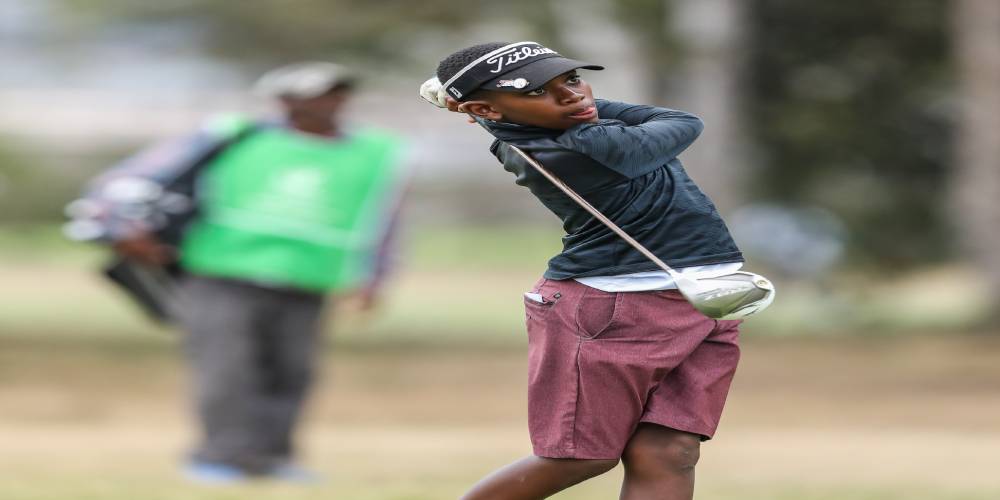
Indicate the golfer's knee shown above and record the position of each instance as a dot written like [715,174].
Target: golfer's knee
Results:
[676,453]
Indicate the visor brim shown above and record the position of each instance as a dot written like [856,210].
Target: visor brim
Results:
[536,74]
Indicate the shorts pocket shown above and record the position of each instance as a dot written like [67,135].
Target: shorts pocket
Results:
[596,312]
[540,300]
[535,310]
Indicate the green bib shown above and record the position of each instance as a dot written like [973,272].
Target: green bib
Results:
[294,210]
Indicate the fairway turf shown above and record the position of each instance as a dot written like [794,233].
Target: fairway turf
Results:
[807,420]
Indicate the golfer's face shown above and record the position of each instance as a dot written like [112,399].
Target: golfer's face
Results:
[561,103]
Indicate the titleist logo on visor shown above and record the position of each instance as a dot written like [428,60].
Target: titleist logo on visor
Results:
[500,61]
[515,55]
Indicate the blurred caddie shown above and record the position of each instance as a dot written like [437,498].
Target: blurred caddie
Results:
[239,234]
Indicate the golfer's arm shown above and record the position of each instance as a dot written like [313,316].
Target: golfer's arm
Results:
[634,140]
[638,114]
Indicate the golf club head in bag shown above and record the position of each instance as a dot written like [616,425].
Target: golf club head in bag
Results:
[733,296]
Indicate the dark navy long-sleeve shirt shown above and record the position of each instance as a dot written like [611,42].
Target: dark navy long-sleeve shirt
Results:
[626,166]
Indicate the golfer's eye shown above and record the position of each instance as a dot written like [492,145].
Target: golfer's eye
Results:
[535,92]
[573,79]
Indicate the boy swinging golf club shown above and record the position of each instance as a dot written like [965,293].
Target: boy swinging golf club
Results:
[622,365]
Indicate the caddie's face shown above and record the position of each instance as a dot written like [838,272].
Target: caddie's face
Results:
[563,102]
[326,106]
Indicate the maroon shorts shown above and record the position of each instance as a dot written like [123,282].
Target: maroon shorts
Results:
[600,363]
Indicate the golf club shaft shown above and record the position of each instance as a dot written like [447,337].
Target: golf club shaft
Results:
[597,214]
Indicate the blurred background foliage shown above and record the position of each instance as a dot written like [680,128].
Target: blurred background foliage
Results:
[847,108]
[850,109]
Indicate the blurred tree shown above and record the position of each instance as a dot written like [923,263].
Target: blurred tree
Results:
[648,21]
[713,71]
[976,186]
[847,103]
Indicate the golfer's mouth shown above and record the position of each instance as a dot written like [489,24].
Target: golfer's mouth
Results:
[587,113]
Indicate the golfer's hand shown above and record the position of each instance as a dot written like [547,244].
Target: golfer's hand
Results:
[146,249]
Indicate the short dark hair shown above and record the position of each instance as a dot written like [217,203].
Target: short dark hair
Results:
[460,59]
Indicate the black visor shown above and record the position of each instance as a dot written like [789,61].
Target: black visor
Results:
[518,67]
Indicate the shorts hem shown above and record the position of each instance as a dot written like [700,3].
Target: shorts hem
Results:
[577,455]
[705,434]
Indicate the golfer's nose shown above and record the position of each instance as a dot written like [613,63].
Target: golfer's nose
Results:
[569,95]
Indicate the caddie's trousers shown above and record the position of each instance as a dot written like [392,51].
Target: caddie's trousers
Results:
[252,352]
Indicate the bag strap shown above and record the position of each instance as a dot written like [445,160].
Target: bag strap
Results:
[185,181]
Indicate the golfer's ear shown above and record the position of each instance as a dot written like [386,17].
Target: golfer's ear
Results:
[482,109]
[452,105]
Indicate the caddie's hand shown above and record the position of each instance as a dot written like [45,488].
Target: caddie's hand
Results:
[146,249]
[368,298]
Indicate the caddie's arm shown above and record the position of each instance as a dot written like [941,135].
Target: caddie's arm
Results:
[383,259]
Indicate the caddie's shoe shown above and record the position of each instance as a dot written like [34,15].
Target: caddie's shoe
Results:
[293,473]
[200,471]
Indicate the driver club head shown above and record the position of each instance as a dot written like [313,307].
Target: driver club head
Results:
[733,296]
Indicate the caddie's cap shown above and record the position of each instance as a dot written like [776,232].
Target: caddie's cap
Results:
[304,80]
[516,67]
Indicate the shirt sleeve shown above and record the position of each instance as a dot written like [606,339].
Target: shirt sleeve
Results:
[631,139]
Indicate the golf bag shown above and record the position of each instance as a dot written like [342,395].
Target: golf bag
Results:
[164,200]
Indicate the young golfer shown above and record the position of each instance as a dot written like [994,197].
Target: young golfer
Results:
[621,367]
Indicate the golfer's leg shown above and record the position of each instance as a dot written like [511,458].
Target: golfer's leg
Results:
[536,477]
[659,464]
